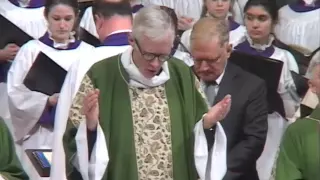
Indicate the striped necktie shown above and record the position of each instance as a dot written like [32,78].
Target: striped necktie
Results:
[210,91]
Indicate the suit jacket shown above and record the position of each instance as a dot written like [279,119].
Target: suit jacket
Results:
[246,124]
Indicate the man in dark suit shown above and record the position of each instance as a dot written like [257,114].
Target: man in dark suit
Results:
[246,124]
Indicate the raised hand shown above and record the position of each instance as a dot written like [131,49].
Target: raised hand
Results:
[217,112]
[91,109]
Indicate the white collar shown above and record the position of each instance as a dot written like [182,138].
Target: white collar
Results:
[259,46]
[71,39]
[136,78]
[119,31]
[219,79]
[24,3]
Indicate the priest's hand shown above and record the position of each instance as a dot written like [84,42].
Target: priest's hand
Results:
[217,112]
[53,100]
[91,109]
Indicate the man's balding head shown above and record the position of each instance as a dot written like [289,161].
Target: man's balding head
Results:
[208,28]
[210,47]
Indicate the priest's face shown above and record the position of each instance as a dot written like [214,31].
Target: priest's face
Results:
[259,24]
[210,57]
[218,8]
[61,19]
[149,55]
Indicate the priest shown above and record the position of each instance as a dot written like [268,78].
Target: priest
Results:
[114,23]
[10,167]
[140,114]
[299,152]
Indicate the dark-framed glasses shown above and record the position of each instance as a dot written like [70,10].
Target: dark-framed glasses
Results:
[151,56]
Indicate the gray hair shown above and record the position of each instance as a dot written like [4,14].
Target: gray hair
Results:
[154,23]
[315,62]
[208,28]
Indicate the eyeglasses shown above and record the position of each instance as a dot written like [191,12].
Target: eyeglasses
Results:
[151,56]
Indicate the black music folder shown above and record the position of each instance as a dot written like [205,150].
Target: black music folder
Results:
[10,33]
[268,70]
[265,68]
[87,37]
[45,76]
[41,160]
[301,83]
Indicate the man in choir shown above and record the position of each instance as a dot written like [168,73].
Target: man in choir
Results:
[246,124]
[10,167]
[299,153]
[146,114]
[114,23]
[88,20]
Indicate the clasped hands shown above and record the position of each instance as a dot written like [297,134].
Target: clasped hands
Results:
[91,110]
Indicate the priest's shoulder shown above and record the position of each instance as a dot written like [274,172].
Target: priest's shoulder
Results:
[304,126]
[106,63]
[178,65]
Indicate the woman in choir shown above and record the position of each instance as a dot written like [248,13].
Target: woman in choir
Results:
[219,9]
[260,16]
[299,24]
[31,100]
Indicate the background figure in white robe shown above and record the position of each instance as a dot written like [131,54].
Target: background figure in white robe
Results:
[33,23]
[27,15]
[220,10]
[32,113]
[114,20]
[299,24]
[87,20]
[237,10]
[258,41]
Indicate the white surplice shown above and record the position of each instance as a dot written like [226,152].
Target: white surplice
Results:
[26,107]
[30,20]
[96,167]
[87,22]
[299,28]
[238,8]
[276,123]
[188,8]
[235,37]
[67,94]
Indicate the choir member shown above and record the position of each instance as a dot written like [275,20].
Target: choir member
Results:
[260,16]
[37,74]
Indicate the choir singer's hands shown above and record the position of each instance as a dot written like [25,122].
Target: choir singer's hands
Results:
[9,52]
[217,112]
[91,109]
[53,99]
[184,23]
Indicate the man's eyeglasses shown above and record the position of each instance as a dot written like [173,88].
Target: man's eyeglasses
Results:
[151,56]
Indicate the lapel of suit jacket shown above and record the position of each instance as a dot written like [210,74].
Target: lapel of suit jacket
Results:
[226,85]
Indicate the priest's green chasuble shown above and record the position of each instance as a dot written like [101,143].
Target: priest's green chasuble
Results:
[299,157]
[149,132]
[10,166]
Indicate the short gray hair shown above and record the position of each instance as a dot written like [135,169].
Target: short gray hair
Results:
[208,28]
[154,23]
[315,62]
